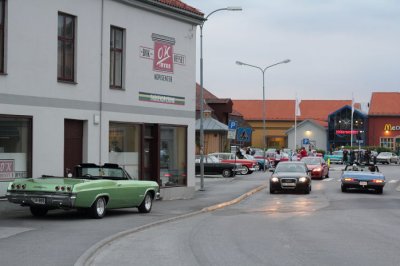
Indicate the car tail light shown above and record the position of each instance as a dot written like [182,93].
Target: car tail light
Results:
[57,188]
[62,188]
[69,189]
[23,186]
[12,186]
[348,179]
[18,186]
[377,181]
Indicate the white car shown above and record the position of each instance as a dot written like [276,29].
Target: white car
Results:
[387,157]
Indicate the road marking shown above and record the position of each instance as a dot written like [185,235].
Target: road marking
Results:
[327,179]
[393,181]
[10,231]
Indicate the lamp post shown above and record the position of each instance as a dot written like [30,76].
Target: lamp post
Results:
[229,8]
[263,113]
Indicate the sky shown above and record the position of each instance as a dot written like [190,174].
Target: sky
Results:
[337,48]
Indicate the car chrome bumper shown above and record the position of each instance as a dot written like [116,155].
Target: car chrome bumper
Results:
[50,200]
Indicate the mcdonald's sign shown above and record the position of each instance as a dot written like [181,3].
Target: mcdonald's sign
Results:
[389,127]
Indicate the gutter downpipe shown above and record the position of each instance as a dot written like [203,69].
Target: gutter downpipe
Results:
[101,81]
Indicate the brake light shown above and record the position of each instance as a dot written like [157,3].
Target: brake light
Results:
[377,181]
[68,189]
[23,186]
[57,188]
[62,188]
[18,186]
[12,186]
[348,179]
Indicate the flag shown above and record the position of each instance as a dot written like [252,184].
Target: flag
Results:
[297,111]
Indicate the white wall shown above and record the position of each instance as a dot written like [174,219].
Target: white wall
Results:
[310,131]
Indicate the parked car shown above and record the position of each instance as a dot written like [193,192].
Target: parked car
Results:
[94,188]
[290,176]
[212,166]
[364,177]
[317,166]
[387,157]
[249,166]
[335,157]
[261,162]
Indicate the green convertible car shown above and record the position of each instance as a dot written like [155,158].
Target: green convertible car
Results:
[93,189]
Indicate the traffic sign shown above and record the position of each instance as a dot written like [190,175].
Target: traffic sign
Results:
[244,134]
[232,134]
[306,141]
[232,124]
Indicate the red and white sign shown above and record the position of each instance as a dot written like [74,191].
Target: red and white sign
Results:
[346,132]
[6,168]
[163,57]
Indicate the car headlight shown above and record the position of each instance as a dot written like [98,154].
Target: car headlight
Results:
[274,179]
[302,179]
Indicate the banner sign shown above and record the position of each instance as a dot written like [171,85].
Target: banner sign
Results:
[159,98]
[7,169]
[347,132]
[389,127]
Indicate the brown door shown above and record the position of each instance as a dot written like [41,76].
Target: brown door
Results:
[73,139]
[150,153]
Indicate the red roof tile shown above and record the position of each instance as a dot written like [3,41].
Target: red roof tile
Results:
[180,5]
[384,103]
[284,109]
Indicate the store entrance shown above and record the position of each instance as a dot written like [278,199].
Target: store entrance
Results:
[73,141]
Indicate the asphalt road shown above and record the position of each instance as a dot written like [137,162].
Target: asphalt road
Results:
[281,229]
[327,227]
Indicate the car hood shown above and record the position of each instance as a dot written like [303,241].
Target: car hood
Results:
[289,174]
[312,166]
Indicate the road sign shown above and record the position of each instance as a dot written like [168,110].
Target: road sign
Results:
[306,141]
[232,134]
[244,134]
[232,124]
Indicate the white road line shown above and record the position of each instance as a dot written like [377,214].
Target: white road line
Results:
[327,179]
[393,181]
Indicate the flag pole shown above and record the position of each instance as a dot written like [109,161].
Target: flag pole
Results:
[351,123]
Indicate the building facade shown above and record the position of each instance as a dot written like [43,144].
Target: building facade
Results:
[99,81]
[309,134]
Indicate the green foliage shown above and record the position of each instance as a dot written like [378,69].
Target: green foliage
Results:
[321,151]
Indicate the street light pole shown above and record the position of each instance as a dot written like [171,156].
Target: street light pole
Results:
[231,8]
[263,87]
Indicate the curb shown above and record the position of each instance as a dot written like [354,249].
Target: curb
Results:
[87,257]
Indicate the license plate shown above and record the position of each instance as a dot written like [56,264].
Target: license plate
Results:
[289,184]
[39,200]
[363,183]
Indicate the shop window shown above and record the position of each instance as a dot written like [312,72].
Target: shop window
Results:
[173,156]
[124,147]
[15,147]
[387,143]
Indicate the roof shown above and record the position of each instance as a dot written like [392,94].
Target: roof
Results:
[314,122]
[384,103]
[284,109]
[210,124]
[180,5]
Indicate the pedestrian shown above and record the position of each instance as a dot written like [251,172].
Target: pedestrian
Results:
[303,152]
[352,157]
[277,157]
[345,156]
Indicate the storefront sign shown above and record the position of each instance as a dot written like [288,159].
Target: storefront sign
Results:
[347,132]
[7,168]
[159,98]
[389,127]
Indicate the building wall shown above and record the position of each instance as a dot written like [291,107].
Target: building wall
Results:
[377,130]
[315,134]
[30,87]
[274,130]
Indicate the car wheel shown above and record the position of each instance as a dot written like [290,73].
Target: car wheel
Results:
[98,208]
[226,173]
[38,211]
[327,174]
[245,170]
[271,191]
[146,204]
[344,189]
[307,190]
[379,190]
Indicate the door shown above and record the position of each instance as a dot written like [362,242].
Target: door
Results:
[73,141]
[151,153]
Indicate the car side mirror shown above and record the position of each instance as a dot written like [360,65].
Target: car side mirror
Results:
[271,170]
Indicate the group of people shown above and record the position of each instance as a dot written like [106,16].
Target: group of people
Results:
[360,156]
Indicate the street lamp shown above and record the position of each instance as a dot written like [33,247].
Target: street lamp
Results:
[229,8]
[263,74]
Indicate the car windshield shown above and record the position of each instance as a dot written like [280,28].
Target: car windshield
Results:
[212,159]
[337,153]
[311,160]
[385,154]
[290,167]
[100,172]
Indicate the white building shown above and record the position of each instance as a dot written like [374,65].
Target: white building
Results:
[309,134]
[99,81]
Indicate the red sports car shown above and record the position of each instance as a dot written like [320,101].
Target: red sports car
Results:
[317,166]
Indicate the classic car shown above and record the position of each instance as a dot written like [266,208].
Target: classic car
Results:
[249,166]
[290,176]
[212,166]
[387,157]
[365,177]
[94,188]
[261,162]
[317,166]
[335,157]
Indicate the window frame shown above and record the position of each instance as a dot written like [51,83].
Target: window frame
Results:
[64,40]
[113,61]
[387,142]
[3,35]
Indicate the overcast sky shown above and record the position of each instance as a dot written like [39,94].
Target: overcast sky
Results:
[336,48]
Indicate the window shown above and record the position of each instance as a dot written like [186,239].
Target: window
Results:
[124,147]
[15,147]
[387,143]
[2,34]
[66,47]
[173,151]
[116,57]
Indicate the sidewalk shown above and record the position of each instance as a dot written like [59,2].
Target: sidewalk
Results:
[218,193]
